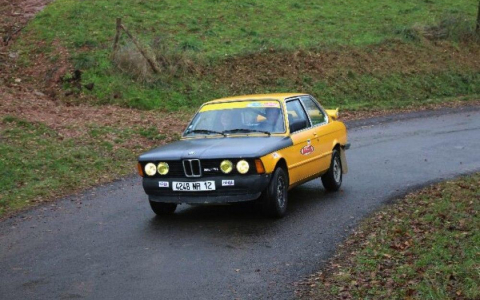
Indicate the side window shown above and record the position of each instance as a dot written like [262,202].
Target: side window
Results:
[314,112]
[297,118]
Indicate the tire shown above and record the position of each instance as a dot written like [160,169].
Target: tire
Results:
[332,180]
[162,209]
[275,196]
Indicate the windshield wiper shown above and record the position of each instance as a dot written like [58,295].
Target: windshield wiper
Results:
[205,131]
[245,130]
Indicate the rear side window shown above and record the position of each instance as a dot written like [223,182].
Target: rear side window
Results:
[296,115]
[317,116]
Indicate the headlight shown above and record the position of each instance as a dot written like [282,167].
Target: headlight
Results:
[150,169]
[163,168]
[226,166]
[243,166]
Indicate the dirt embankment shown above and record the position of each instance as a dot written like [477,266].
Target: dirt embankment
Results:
[15,14]
[261,69]
[31,99]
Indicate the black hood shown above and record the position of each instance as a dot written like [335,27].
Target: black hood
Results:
[224,147]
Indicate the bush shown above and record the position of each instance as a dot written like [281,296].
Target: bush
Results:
[453,27]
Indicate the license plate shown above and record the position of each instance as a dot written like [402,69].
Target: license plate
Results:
[193,186]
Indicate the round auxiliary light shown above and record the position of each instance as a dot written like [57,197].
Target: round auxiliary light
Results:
[163,168]
[226,166]
[150,169]
[243,166]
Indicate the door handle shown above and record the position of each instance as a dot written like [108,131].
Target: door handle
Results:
[315,134]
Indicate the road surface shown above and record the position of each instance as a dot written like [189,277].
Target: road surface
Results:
[107,244]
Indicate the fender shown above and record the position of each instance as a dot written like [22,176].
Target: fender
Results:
[271,160]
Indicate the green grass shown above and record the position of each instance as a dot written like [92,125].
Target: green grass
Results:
[37,164]
[388,91]
[424,247]
[220,28]
[204,33]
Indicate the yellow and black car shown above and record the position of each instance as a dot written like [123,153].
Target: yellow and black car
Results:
[245,148]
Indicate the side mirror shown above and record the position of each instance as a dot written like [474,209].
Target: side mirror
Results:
[297,125]
[332,113]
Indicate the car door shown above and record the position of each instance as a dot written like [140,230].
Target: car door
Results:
[300,156]
[322,136]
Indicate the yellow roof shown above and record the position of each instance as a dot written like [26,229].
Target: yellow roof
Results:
[277,96]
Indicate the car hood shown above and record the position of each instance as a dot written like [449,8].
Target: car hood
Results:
[224,147]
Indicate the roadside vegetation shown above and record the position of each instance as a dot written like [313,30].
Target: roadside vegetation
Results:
[59,154]
[425,246]
[44,165]
[357,54]
[61,86]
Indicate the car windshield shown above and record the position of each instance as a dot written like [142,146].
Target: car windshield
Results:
[262,117]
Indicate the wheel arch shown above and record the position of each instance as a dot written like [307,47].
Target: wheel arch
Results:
[282,163]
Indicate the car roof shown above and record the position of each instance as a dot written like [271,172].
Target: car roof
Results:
[277,96]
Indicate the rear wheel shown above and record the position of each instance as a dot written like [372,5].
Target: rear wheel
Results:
[332,180]
[163,209]
[275,196]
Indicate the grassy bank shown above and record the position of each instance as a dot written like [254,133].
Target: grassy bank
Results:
[200,46]
[424,247]
[45,165]
[38,163]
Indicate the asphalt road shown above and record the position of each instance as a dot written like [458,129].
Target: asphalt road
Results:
[107,244]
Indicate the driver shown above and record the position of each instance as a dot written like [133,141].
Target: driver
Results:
[273,123]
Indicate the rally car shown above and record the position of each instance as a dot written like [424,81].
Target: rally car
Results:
[246,148]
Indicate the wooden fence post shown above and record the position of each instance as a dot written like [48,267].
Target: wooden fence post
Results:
[117,36]
[151,60]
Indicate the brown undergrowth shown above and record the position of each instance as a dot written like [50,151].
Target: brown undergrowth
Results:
[425,246]
[73,121]
[260,69]
[15,15]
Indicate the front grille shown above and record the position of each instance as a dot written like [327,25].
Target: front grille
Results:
[192,167]
[206,167]
[176,169]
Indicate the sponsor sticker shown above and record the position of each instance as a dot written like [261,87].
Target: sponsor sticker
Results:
[240,104]
[163,184]
[229,182]
[307,150]
[271,104]
[264,104]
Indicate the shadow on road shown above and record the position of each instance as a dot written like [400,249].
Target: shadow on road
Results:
[244,218]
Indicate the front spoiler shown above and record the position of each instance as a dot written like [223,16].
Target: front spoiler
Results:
[246,188]
[204,199]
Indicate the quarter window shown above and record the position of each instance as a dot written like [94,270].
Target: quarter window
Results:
[314,112]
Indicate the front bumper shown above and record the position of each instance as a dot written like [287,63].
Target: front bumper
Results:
[245,188]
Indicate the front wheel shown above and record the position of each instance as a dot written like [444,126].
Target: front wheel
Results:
[162,209]
[332,180]
[275,196]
